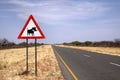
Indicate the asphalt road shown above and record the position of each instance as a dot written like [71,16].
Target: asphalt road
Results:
[84,65]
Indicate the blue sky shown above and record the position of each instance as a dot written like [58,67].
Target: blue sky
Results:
[62,20]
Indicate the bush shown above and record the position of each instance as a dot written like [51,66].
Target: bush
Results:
[76,43]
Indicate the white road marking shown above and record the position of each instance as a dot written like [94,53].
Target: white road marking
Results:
[86,55]
[115,64]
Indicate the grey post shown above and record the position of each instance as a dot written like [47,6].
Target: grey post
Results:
[36,57]
[26,56]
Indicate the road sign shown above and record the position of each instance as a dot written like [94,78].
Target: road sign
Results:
[31,30]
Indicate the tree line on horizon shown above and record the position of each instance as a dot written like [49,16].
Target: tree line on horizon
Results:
[115,43]
[6,44]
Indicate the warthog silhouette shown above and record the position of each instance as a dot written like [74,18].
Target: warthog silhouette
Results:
[31,31]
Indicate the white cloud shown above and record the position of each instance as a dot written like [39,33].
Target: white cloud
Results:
[53,11]
[21,3]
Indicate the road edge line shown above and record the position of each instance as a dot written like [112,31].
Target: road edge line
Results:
[115,64]
[74,76]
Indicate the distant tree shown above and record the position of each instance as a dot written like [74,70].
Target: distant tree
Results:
[41,43]
[106,43]
[22,44]
[4,42]
[117,42]
[65,43]
[75,43]
[31,44]
[0,42]
[87,43]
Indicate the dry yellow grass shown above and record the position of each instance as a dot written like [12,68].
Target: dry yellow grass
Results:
[13,64]
[105,50]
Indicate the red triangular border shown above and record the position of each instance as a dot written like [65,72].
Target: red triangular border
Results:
[30,37]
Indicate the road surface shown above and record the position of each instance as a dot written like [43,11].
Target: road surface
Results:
[84,65]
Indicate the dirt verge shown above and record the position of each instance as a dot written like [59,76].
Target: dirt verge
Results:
[104,50]
[13,64]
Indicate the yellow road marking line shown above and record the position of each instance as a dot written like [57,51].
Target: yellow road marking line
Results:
[67,66]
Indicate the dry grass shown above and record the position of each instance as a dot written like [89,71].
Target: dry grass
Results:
[13,64]
[105,50]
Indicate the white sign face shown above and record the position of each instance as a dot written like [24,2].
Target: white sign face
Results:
[31,30]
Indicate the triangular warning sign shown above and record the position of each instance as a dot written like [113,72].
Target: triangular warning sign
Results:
[31,30]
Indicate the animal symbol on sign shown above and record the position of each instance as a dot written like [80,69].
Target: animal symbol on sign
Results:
[31,31]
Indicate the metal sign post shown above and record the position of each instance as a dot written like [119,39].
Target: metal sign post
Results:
[36,57]
[26,56]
